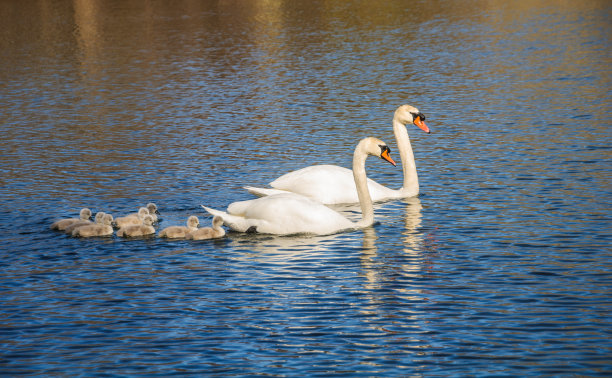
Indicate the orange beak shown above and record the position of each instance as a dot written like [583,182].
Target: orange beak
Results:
[421,125]
[385,155]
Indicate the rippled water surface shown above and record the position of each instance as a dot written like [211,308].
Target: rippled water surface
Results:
[502,265]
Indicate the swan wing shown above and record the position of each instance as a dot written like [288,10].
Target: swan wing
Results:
[282,214]
[328,184]
[262,192]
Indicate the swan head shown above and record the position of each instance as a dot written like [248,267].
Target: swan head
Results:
[376,147]
[409,114]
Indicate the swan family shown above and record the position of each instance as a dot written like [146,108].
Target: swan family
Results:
[291,213]
[296,202]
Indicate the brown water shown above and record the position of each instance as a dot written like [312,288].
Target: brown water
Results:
[500,267]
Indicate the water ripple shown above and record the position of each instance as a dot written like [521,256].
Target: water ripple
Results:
[499,267]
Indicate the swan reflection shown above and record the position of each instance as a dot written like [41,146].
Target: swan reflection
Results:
[283,250]
[375,267]
[412,221]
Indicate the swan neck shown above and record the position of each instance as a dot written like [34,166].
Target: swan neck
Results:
[411,179]
[363,193]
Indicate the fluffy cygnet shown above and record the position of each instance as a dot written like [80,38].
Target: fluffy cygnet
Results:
[84,214]
[153,211]
[132,219]
[209,233]
[103,228]
[181,231]
[75,225]
[143,229]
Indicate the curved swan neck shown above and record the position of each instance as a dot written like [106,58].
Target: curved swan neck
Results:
[411,179]
[363,193]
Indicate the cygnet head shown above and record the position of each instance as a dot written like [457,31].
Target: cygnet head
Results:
[409,114]
[99,216]
[107,219]
[85,214]
[217,221]
[193,222]
[376,147]
[147,220]
[142,212]
[152,208]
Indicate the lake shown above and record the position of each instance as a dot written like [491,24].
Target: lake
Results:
[502,266]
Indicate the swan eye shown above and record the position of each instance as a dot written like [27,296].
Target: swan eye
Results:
[419,114]
[384,149]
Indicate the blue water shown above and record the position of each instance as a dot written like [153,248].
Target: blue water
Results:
[501,267]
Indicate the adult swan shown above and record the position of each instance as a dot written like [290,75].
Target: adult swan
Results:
[290,213]
[331,184]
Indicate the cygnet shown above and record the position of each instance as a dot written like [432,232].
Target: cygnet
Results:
[209,233]
[103,228]
[84,214]
[153,211]
[176,232]
[132,219]
[143,229]
[75,225]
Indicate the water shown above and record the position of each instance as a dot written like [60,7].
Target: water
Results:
[500,267]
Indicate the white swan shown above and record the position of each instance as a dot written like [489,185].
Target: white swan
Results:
[84,215]
[208,233]
[175,232]
[331,184]
[290,213]
[143,229]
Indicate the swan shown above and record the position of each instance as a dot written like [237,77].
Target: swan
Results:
[84,215]
[331,184]
[102,228]
[181,231]
[143,229]
[208,233]
[290,213]
[132,219]
[85,222]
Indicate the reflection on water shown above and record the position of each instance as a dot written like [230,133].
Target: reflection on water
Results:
[111,105]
